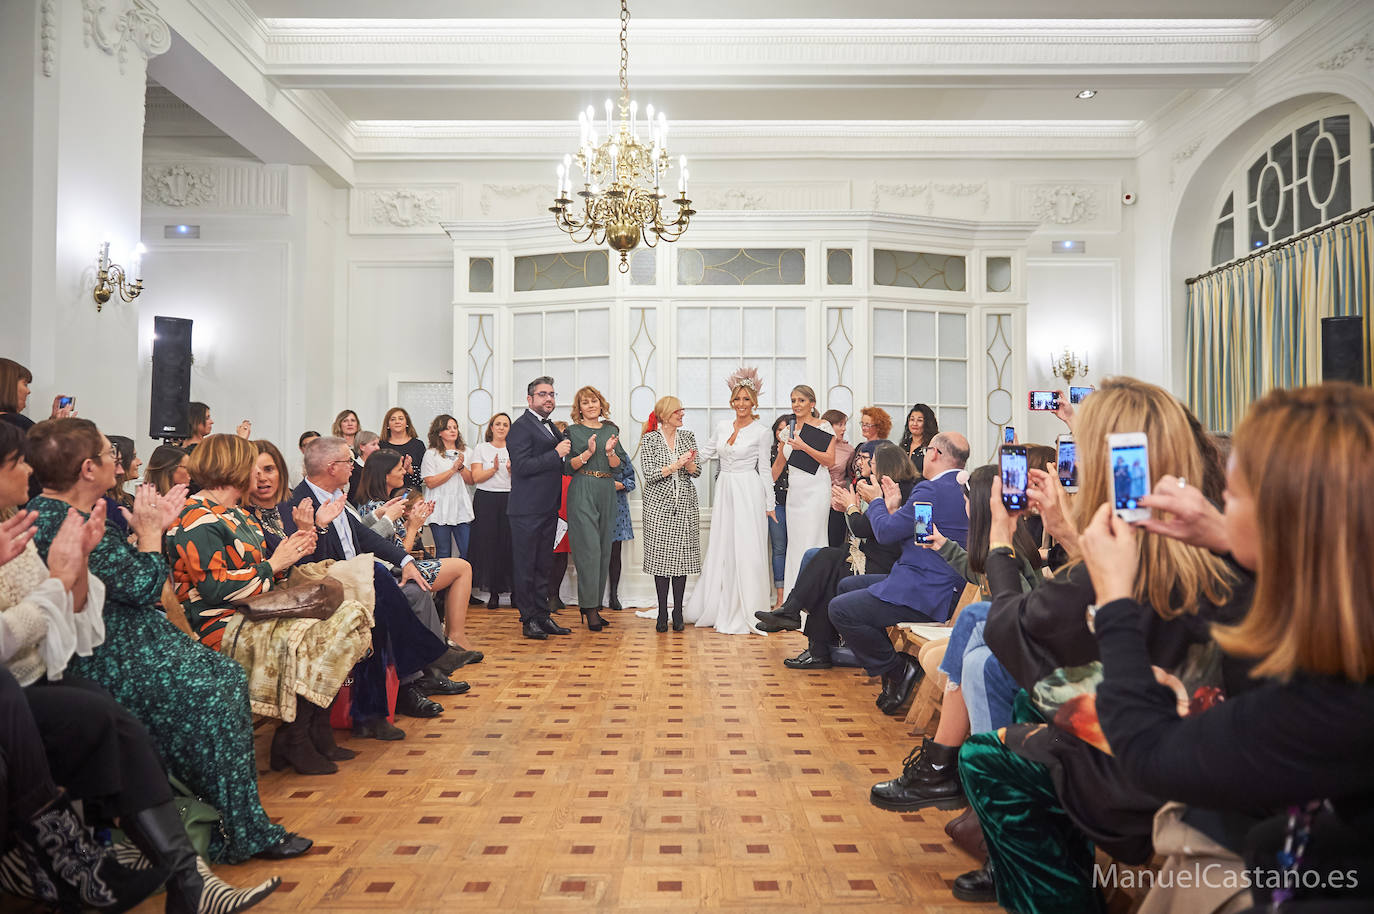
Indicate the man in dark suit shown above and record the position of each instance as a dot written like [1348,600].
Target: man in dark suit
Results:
[536,451]
[922,587]
[397,633]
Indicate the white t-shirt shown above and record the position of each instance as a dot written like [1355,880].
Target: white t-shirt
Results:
[452,501]
[486,454]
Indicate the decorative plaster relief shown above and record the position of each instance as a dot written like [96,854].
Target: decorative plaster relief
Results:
[930,198]
[409,209]
[1084,206]
[1362,50]
[47,36]
[217,186]
[524,199]
[138,24]
[1182,156]
[823,195]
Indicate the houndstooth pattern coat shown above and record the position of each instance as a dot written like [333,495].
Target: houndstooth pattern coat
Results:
[671,517]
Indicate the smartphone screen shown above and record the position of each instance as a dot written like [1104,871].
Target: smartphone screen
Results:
[924,519]
[1009,436]
[64,402]
[1013,461]
[1067,462]
[1130,475]
[1045,400]
[1079,394]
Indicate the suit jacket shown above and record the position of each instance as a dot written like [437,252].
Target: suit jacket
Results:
[328,546]
[536,470]
[921,579]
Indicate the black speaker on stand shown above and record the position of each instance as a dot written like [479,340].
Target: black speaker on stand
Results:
[171,378]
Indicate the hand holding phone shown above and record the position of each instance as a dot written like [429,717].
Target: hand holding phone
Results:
[1009,435]
[1129,472]
[1015,472]
[924,521]
[1078,394]
[1043,400]
[1066,463]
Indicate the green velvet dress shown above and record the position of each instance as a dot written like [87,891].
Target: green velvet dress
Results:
[193,700]
[592,511]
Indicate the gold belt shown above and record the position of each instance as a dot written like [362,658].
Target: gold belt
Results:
[597,473]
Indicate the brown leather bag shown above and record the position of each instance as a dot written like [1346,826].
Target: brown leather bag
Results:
[312,601]
[967,834]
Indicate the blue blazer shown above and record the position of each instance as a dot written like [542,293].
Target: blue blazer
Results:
[536,470]
[328,546]
[921,579]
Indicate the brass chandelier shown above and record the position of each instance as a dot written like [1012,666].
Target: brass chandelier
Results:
[622,175]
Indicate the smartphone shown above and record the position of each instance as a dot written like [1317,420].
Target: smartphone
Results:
[1067,462]
[1013,463]
[1009,435]
[1129,463]
[1044,400]
[64,402]
[1079,394]
[924,519]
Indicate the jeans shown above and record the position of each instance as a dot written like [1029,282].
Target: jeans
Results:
[777,539]
[444,537]
[862,619]
[969,663]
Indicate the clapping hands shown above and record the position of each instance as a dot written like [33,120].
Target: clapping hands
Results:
[154,513]
[15,534]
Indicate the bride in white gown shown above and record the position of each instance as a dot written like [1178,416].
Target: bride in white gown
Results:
[736,577]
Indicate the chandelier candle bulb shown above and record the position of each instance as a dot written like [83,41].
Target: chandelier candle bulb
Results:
[634,127]
[609,132]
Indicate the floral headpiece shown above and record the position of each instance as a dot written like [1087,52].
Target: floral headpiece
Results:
[746,377]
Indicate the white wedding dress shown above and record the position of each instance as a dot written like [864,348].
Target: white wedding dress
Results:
[808,514]
[736,577]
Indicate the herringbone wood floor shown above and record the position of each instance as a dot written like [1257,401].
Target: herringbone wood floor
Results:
[618,771]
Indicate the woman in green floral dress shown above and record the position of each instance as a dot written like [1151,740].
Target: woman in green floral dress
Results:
[193,701]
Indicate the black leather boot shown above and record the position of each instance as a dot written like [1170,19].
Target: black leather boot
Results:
[662,624]
[976,885]
[159,834]
[291,745]
[68,869]
[614,601]
[322,735]
[677,620]
[930,777]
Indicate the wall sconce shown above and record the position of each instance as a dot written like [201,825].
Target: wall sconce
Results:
[1068,366]
[111,276]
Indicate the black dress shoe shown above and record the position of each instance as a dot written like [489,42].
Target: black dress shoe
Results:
[532,629]
[493,602]
[930,777]
[777,622]
[551,627]
[411,702]
[806,661]
[976,885]
[293,845]
[377,728]
[432,684]
[899,684]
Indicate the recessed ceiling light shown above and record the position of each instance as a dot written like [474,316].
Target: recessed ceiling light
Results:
[1086,93]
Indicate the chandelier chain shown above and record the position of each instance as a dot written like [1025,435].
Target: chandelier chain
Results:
[624,57]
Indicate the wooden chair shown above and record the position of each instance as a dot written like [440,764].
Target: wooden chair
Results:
[912,638]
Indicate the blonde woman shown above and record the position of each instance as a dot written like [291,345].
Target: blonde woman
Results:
[808,490]
[347,427]
[671,516]
[593,463]
[735,579]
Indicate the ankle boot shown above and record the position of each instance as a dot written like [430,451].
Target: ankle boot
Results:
[161,837]
[67,868]
[662,620]
[291,745]
[677,619]
[930,777]
[322,734]
[594,621]
[614,602]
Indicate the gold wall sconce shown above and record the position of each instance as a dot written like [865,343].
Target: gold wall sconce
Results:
[1068,366]
[111,277]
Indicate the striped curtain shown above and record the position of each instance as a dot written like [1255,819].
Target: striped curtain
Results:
[1257,325]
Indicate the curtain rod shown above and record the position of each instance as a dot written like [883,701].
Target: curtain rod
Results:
[1348,217]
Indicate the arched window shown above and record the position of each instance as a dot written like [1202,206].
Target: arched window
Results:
[1316,168]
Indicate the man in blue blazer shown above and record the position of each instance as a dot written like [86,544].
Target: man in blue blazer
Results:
[536,449]
[922,586]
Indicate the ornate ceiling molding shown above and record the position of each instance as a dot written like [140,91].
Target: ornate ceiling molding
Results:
[1361,51]
[135,23]
[47,36]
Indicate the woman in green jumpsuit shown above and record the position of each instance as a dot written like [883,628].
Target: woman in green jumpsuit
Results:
[592,463]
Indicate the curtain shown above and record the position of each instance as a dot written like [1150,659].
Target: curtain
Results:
[1256,325]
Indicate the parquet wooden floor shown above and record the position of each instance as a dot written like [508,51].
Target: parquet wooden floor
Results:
[617,771]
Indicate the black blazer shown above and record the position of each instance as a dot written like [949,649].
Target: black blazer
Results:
[329,546]
[536,470]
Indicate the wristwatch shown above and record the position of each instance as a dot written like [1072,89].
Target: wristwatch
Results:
[1090,617]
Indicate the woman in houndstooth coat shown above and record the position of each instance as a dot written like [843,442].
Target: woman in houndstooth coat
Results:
[671,517]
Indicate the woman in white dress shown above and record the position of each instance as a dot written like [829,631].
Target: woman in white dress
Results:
[736,577]
[808,494]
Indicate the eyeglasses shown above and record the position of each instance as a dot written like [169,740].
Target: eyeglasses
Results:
[334,463]
[111,452]
[544,393]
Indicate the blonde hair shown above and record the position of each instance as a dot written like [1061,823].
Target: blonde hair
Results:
[590,391]
[223,460]
[753,396]
[809,394]
[1173,577]
[1304,454]
[664,408]
[337,428]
